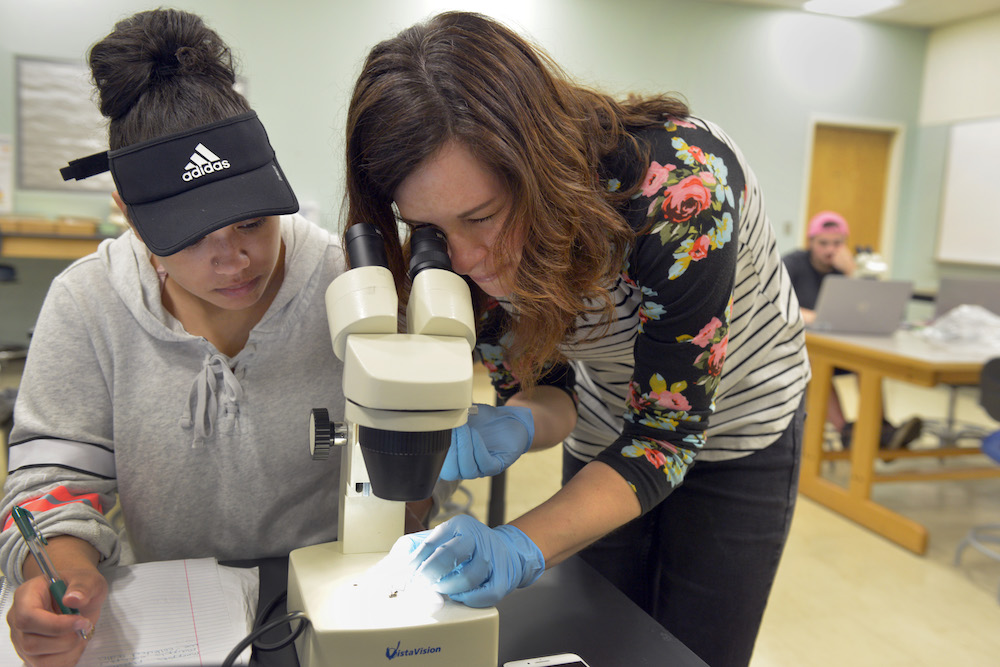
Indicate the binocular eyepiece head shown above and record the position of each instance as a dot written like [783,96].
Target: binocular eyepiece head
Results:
[428,248]
[402,465]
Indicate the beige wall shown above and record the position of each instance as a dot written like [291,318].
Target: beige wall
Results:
[962,72]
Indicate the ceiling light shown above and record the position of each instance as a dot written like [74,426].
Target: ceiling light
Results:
[852,8]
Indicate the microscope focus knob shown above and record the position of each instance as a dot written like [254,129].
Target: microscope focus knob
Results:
[320,434]
[324,434]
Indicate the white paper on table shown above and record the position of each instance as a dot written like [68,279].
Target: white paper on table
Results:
[180,612]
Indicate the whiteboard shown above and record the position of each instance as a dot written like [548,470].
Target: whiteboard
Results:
[969,230]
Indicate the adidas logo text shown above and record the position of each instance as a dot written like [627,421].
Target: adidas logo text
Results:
[203,161]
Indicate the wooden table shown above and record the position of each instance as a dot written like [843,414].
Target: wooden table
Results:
[903,356]
[48,246]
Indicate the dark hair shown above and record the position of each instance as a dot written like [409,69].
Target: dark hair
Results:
[163,71]
[463,76]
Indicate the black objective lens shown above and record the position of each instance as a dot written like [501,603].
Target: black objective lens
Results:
[429,250]
[403,465]
[365,246]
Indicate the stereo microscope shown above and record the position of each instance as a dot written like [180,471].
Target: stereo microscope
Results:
[404,393]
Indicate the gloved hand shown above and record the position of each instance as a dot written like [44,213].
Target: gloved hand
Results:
[470,562]
[489,442]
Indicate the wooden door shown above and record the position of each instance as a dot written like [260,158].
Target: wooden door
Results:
[850,169]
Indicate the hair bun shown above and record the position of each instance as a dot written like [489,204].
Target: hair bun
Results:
[156,50]
[164,66]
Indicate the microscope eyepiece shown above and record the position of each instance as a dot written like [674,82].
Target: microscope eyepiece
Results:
[365,246]
[428,250]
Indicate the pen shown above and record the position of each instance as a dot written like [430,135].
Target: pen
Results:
[36,543]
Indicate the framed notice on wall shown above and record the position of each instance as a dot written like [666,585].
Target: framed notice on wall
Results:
[6,174]
[969,228]
[57,121]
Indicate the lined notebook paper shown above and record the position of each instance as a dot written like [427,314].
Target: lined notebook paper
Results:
[182,612]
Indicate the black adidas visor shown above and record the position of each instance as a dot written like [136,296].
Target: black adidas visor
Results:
[181,187]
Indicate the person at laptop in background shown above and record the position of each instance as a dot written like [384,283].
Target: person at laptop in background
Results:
[828,254]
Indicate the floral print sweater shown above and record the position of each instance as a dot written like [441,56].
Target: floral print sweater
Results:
[706,357]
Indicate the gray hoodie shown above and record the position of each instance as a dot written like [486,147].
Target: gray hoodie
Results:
[208,455]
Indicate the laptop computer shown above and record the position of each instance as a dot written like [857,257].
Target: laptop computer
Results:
[954,292]
[861,306]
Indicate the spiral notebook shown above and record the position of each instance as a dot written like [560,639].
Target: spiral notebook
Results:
[181,613]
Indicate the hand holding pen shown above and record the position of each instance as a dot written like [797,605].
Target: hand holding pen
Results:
[36,544]
[39,636]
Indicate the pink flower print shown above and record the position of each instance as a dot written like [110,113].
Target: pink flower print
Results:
[671,400]
[633,398]
[681,123]
[656,457]
[717,355]
[686,199]
[707,333]
[664,445]
[697,154]
[699,250]
[502,367]
[627,278]
[656,177]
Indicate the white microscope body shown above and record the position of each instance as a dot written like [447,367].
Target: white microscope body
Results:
[405,392]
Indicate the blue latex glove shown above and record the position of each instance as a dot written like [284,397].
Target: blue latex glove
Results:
[472,563]
[489,442]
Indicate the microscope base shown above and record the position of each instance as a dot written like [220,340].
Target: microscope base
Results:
[357,619]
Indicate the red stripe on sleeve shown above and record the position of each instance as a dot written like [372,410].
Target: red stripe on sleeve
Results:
[55,498]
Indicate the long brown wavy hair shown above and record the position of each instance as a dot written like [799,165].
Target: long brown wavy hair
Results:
[466,77]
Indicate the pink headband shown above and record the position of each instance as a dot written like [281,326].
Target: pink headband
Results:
[828,221]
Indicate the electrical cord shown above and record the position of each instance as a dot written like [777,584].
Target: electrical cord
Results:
[262,626]
[452,508]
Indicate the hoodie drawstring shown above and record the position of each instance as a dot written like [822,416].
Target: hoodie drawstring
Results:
[215,384]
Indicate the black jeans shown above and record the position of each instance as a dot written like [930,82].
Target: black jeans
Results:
[702,562]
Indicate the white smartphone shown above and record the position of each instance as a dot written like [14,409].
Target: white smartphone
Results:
[561,660]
